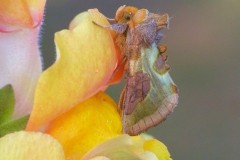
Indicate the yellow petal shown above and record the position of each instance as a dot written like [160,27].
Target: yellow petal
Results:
[100,158]
[121,147]
[158,148]
[30,145]
[22,13]
[85,62]
[86,125]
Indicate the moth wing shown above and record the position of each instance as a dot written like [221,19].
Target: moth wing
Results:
[159,93]
[135,91]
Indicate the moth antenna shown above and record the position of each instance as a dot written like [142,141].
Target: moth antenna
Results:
[99,24]
[118,28]
[111,19]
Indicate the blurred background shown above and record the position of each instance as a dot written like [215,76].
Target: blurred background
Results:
[204,55]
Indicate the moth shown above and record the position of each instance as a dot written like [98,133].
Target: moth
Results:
[149,95]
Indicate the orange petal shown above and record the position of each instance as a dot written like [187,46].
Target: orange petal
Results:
[21,13]
[85,62]
[119,70]
[86,125]
[30,145]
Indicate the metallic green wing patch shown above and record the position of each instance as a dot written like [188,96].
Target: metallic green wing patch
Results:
[161,98]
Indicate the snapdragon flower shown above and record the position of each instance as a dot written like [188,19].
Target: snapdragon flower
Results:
[70,115]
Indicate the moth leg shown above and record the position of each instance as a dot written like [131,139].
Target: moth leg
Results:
[110,19]
[117,27]
[121,100]
[121,110]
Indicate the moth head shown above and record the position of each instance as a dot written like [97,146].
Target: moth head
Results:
[125,14]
